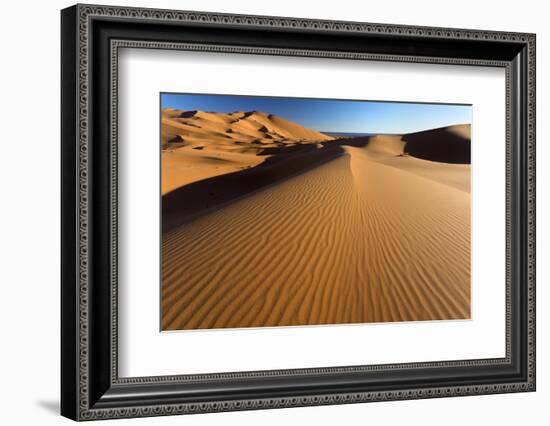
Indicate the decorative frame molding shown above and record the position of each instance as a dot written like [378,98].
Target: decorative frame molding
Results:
[85,398]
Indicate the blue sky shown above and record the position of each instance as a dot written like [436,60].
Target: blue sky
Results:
[329,115]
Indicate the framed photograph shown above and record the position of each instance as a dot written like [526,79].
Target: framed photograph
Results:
[263,212]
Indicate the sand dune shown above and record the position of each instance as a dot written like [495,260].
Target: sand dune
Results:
[391,150]
[351,231]
[187,202]
[198,144]
[448,144]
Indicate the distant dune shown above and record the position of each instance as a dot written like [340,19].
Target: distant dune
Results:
[198,144]
[301,229]
[447,144]
[391,150]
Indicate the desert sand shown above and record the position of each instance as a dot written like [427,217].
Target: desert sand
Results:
[198,145]
[278,225]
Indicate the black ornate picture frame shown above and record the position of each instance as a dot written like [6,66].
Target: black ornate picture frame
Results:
[91,37]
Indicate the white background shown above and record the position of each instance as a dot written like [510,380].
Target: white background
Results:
[146,352]
[29,229]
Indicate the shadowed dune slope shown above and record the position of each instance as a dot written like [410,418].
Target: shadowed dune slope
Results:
[350,236]
[447,144]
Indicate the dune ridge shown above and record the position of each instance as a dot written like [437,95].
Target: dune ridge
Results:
[319,232]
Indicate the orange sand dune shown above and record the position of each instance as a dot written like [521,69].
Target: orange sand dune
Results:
[197,144]
[351,231]
[390,150]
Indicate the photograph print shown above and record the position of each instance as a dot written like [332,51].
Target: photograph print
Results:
[280,211]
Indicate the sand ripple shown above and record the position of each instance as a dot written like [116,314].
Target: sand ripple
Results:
[354,240]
